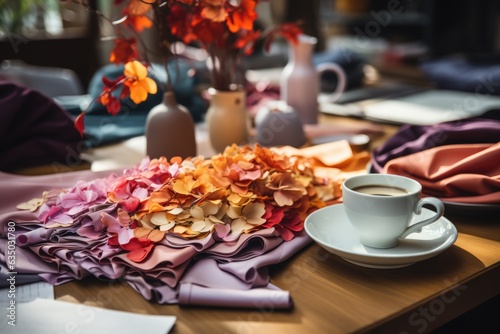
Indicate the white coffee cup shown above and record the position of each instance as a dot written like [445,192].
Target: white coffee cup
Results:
[383,208]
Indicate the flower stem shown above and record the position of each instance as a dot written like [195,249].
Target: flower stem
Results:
[160,14]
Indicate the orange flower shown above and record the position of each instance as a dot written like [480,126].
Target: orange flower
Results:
[214,10]
[139,83]
[139,22]
[243,16]
[139,7]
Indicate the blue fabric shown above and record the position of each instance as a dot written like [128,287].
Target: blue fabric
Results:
[479,75]
[102,128]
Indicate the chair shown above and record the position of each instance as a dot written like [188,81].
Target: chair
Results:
[51,81]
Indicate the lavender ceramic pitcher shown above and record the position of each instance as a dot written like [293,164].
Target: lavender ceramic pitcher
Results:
[300,80]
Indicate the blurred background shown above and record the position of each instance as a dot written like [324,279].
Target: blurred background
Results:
[394,35]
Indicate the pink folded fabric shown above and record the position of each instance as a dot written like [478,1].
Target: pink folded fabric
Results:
[462,173]
[203,272]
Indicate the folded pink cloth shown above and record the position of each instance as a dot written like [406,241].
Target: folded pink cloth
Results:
[462,173]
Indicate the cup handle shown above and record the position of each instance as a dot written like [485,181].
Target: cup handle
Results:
[341,79]
[436,203]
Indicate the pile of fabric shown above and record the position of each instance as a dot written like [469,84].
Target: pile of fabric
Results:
[193,231]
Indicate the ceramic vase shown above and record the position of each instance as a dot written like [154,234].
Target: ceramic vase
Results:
[170,130]
[227,119]
[300,80]
[299,85]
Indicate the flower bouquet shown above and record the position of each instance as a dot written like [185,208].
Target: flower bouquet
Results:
[226,30]
[223,28]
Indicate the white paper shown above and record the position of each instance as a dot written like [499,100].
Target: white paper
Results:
[428,107]
[54,316]
[29,292]
[431,107]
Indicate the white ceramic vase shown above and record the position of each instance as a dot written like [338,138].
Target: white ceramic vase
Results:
[170,130]
[300,80]
[227,119]
[299,85]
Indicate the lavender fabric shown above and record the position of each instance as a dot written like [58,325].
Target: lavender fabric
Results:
[261,298]
[34,130]
[205,272]
[413,138]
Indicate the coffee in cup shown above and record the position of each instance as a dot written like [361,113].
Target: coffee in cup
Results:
[383,207]
[381,190]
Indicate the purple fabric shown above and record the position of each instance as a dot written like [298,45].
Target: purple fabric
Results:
[34,130]
[413,138]
[262,298]
[247,246]
[204,271]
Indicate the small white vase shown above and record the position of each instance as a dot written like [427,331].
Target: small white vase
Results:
[170,130]
[227,119]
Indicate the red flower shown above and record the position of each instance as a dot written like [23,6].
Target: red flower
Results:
[291,224]
[290,31]
[125,50]
[286,222]
[273,216]
[80,123]
[112,103]
[247,40]
[138,248]
[181,21]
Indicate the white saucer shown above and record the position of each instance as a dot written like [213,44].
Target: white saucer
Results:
[330,228]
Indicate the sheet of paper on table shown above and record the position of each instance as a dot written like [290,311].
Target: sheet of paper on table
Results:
[53,316]
[27,292]
[425,107]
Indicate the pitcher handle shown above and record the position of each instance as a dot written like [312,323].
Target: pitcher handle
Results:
[341,79]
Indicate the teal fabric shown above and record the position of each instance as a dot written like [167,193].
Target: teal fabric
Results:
[102,128]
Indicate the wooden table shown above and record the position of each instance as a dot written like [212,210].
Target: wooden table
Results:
[332,295]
